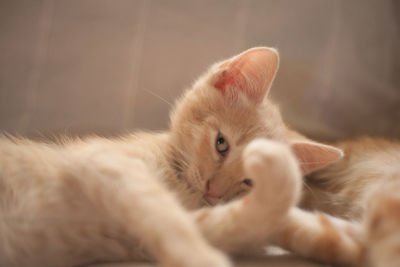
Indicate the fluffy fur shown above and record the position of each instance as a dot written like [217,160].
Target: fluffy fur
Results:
[363,186]
[143,196]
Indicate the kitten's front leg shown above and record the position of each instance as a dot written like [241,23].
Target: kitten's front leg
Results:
[268,214]
[322,237]
[250,220]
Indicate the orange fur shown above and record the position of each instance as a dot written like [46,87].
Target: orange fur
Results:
[364,186]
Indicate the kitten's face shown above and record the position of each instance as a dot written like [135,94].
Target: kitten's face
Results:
[224,111]
[218,117]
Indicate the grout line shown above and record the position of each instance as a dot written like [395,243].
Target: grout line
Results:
[136,62]
[388,52]
[240,26]
[32,84]
[328,61]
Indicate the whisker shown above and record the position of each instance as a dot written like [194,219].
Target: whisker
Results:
[159,97]
[309,189]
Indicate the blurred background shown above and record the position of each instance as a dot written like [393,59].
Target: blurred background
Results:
[112,66]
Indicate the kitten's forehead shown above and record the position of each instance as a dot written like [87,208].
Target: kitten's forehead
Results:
[246,122]
[242,119]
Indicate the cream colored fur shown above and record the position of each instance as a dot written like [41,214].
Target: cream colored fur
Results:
[141,196]
[363,186]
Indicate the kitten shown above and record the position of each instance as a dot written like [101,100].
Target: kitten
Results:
[140,196]
[363,186]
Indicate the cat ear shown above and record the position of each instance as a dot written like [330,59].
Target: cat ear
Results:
[313,156]
[250,74]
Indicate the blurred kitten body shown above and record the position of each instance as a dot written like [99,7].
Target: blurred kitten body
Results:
[363,186]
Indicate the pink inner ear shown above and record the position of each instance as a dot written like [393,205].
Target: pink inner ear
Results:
[250,73]
[313,156]
[232,78]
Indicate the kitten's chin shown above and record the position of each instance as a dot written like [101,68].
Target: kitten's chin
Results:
[211,201]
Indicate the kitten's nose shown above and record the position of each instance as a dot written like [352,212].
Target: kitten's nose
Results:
[212,191]
[212,194]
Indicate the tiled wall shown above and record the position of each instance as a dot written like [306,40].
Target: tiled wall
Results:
[110,66]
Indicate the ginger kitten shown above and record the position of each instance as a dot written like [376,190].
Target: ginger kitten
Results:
[141,196]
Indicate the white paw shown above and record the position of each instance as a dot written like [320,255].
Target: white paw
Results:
[261,153]
[274,170]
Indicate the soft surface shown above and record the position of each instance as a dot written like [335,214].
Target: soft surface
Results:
[270,261]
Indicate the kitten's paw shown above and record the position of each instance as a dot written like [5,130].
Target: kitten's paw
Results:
[274,169]
[263,155]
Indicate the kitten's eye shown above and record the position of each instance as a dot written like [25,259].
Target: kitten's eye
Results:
[248,182]
[221,144]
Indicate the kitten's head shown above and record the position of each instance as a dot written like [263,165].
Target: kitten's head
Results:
[224,110]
